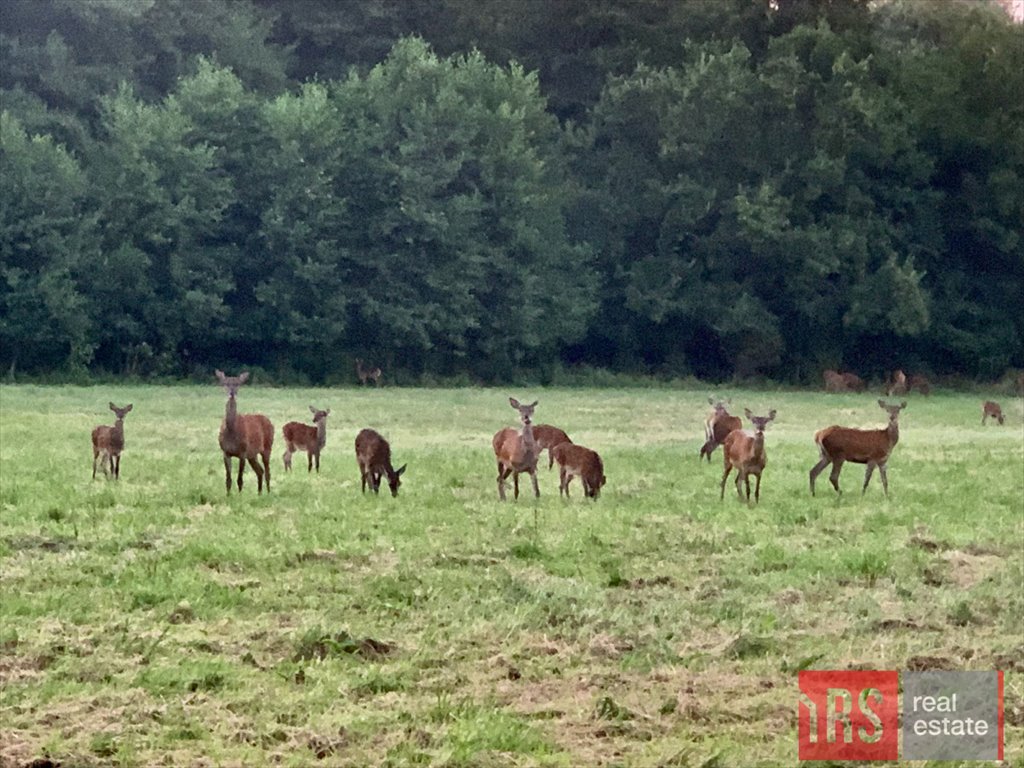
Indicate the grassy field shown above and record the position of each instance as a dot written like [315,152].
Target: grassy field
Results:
[157,621]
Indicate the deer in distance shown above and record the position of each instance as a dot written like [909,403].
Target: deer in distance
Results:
[373,454]
[990,408]
[901,384]
[304,437]
[577,461]
[745,453]
[368,374]
[717,427]
[517,450]
[246,437]
[547,437]
[843,382]
[871,447]
[108,442]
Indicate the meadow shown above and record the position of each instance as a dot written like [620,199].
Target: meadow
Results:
[159,621]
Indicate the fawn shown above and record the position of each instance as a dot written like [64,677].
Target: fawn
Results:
[717,426]
[547,437]
[307,438]
[577,461]
[373,455]
[108,442]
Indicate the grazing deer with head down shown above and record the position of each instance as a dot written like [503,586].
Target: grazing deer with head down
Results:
[373,454]
[745,453]
[517,450]
[304,437]
[245,437]
[853,382]
[717,427]
[367,374]
[872,447]
[834,381]
[577,461]
[108,442]
[547,437]
[990,408]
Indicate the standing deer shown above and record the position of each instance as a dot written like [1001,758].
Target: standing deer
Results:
[990,408]
[861,446]
[577,461]
[717,427]
[897,385]
[517,450]
[304,437]
[920,383]
[108,442]
[853,382]
[745,453]
[547,437]
[245,437]
[373,454]
[366,374]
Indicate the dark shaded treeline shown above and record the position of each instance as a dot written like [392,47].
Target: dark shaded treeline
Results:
[489,188]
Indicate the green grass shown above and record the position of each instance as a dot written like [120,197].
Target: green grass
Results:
[157,620]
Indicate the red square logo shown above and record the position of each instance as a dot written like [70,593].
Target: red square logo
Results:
[852,715]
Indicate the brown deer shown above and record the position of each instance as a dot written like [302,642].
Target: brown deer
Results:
[108,442]
[717,427]
[245,437]
[577,461]
[517,450]
[366,374]
[745,453]
[373,453]
[920,383]
[853,382]
[872,447]
[834,381]
[547,437]
[897,385]
[990,408]
[304,437]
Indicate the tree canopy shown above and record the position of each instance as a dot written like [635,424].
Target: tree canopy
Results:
[486,189]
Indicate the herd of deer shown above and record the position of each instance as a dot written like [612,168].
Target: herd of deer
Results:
[249,438]
[898,384]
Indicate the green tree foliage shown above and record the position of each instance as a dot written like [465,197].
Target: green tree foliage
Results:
[709,187]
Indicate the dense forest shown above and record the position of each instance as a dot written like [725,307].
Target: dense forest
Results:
[490,189]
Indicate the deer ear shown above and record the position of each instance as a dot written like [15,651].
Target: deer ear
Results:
[881,403]
[533,404]
[327,412]
[312,409]
[513,402]
[903,405]
[243,377]
[128,408]
[771,415]
[400,470]
[711,401]
[219,375]
[112,406]
[748,414]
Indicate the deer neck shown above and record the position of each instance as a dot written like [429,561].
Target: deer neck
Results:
[893,433]
[321,433]
[231,414]
[757,447]
[527,436]
[117,433]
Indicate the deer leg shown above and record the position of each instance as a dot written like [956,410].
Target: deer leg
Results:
[241,469]
[375,481]
[502,474]
[741,476]
[728,469]
[885,479]
[757,490]
[318,462]
[563,485]
[259,474]
[227,471]
[867,477]
[362,477]
[287,460]
[833,478]
[266,468]
[117,467]
[816,470]
[536,488]
[515,484]
[95,455]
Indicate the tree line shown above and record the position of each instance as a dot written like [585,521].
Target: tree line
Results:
[495,188]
